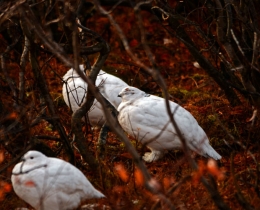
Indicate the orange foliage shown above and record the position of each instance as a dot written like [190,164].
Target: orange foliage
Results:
[139,178]
[122,172]
[210,168]
[167,182]
[11,116]
[1,156]
[4,188]
[118,189]
[133,43]
[214,170]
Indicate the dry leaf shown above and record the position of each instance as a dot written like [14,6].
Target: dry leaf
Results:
[139,178]
[1,156]
[122,172]
[214,170]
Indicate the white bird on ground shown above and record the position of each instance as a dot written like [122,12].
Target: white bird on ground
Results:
[74,92]
[51,183]
[145,118]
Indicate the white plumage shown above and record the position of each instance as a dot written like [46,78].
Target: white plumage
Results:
[145,117]
[74,92]
[50,183]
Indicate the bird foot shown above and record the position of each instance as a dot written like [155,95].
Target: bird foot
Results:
[152,156]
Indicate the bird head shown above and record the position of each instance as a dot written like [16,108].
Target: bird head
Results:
[33,156]
[131,93]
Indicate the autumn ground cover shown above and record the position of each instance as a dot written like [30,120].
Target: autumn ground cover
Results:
[230,133]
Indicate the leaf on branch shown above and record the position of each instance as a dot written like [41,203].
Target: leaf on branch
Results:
[122,172]
[214,170]
[139,178]
[4,188]
[2,156]
[168,182]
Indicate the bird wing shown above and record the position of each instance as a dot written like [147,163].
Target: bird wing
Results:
[64,176]
[147,111]
[147,118]
[74,92]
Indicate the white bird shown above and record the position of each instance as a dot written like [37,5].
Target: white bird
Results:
[51,183]
[145,118]
[74,92]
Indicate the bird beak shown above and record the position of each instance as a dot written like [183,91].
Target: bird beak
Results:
[119,95]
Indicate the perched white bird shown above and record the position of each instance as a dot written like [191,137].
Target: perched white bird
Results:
[74,92]
[145,117]
[51,183]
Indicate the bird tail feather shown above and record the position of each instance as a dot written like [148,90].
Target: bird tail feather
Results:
[212,153]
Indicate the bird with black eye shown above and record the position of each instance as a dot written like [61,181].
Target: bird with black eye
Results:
[51,183]
[145,118]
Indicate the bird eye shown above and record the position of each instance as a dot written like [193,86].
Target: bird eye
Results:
[31,157]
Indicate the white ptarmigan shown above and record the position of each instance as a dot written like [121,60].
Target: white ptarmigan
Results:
[51,183]
[145,118]
[74,92]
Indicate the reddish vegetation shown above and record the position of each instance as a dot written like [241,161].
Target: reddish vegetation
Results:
[119,179]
